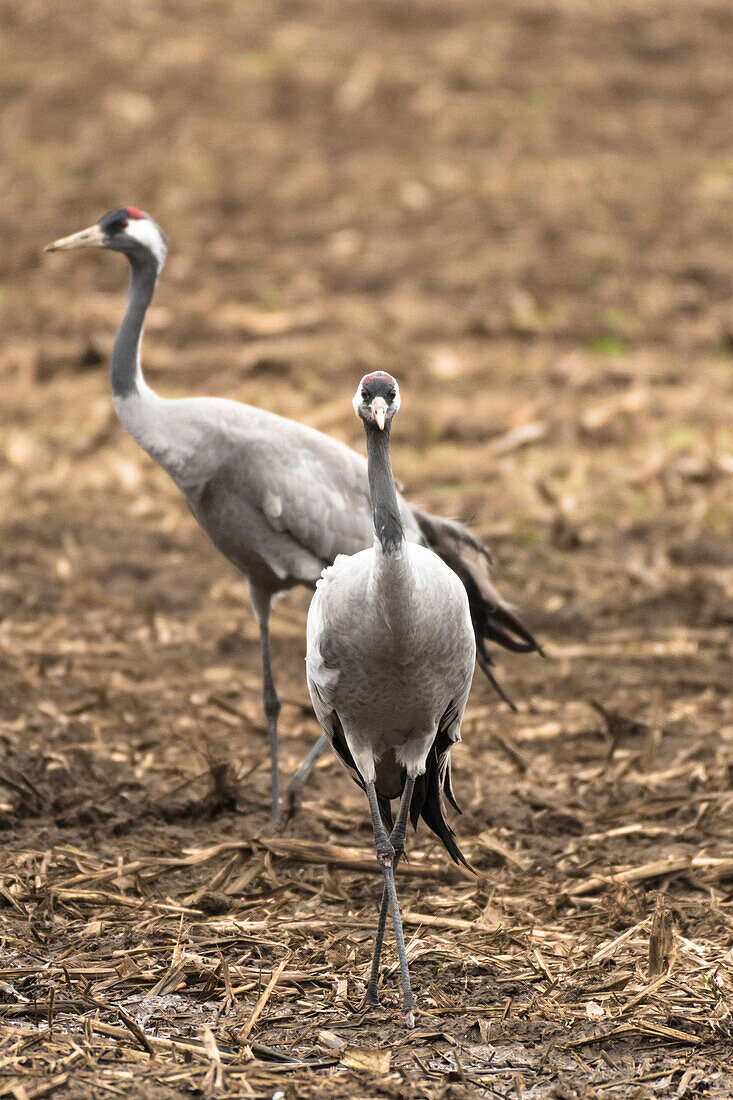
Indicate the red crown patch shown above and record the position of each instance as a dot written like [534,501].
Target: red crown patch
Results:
[377,374]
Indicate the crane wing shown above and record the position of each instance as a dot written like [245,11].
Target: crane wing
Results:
[294,496]
[318,495]
[322,683]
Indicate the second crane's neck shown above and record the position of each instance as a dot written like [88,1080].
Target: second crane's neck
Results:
[388,530]
[127,377]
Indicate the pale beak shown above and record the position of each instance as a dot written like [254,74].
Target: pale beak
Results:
[379,411]
[93,237]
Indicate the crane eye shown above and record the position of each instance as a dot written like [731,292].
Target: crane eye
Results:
[365,394]
[391,396]
[122,225]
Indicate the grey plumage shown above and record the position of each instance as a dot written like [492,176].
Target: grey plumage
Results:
[380,663]
[390,659]
[278,499]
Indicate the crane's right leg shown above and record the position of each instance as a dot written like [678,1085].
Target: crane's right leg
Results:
[386,859]
[397,840]
[262,605]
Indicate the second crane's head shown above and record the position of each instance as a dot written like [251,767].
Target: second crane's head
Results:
[126,230]
[377,399]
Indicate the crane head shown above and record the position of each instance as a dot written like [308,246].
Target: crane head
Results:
[377,398]
[125,229]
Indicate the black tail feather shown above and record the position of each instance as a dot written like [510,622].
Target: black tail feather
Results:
[427,801]
[485,664]
[427,804]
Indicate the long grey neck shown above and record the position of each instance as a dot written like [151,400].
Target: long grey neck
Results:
[388,528]
[127,376]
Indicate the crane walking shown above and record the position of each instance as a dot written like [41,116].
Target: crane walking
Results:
[390,659]
[278,499]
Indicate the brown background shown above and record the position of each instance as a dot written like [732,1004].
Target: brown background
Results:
[523,210]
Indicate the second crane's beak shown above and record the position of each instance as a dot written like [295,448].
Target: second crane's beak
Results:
[93,237]
[379,411]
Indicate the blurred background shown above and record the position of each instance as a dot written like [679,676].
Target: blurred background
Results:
[523,210]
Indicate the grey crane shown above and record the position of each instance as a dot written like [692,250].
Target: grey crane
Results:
[390,659]
[278,499]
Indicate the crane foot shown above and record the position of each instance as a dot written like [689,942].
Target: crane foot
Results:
[289,807]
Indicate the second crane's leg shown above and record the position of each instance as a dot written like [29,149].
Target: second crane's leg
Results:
[397,840]
[294,788]
[261,605]
[386,858]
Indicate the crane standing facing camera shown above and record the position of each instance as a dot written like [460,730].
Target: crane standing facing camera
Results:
[390,659]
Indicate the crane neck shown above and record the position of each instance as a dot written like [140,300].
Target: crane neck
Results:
[388,530]
[127,377]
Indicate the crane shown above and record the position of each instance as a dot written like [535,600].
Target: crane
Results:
[278,499]
[390,658]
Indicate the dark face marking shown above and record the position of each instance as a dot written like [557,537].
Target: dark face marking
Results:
[115,223]
[125,231]
[377,398]
[378,384]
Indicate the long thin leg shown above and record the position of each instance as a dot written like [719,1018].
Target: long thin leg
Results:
[397,840]
[294,789]
[262,605]
[385,857]
[372,996]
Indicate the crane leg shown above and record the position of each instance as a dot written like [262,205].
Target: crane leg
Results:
[262,605]
[397,839]
[294,788]
[387,858]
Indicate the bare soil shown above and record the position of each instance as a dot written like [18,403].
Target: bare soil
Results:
[523,210]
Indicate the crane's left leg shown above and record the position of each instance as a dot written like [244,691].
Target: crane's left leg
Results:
[262,605]
[294,787]
[386,852]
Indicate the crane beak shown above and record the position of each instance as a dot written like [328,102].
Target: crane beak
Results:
[93,237]
[379,411]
